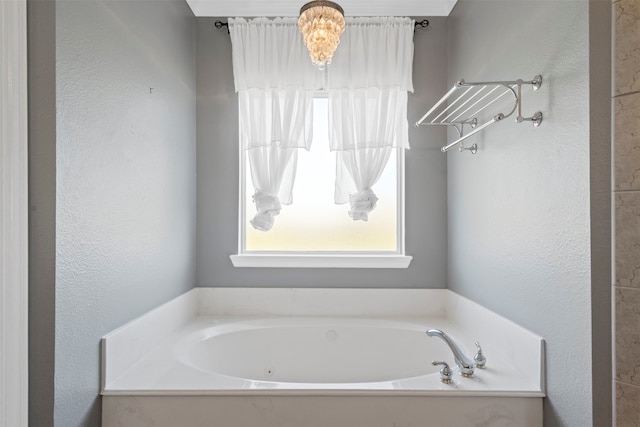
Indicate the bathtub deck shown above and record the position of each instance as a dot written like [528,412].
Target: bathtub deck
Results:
[163,372]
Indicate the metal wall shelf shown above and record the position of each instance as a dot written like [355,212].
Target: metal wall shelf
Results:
[473,98]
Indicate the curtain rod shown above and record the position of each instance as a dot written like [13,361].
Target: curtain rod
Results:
[219,24]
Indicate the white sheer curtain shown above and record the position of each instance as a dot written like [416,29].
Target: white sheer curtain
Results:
[368,82]
[275,82]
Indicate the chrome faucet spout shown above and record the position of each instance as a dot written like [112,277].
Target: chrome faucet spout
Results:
[465,364]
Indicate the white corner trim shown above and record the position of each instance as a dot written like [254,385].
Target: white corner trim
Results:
[13,215]
[320,261]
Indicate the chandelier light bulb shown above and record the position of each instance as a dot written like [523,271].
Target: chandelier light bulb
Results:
[321,24]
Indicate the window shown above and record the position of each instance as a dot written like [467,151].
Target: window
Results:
[313,225]
[367,89]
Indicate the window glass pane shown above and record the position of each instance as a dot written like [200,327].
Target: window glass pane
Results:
[314,222]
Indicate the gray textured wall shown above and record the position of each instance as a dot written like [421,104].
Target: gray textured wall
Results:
[125,189]
[426,221]
[528,220]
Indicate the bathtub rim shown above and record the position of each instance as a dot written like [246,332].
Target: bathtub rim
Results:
[328,392]
[429,385]
[144,333]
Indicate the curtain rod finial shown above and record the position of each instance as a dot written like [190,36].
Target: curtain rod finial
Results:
[219,25]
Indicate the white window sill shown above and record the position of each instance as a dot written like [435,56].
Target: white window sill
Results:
[321,261]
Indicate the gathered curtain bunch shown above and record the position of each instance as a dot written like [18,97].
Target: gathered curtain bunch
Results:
[366,85]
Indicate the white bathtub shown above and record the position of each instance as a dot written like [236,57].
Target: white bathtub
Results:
[312,351]
[233,360]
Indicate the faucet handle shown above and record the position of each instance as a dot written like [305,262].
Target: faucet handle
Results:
[479,359]
[445,372]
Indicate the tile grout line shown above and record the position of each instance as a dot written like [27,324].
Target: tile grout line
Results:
[627,384]
[626,191]
[622,95]
[626,287]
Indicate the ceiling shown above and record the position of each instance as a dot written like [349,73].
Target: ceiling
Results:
[250,8]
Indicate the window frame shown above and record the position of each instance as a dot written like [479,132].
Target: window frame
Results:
[323,259]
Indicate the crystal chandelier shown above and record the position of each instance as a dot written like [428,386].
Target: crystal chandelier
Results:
[321,24]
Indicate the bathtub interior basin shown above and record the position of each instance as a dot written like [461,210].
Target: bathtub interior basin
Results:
[313,350]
